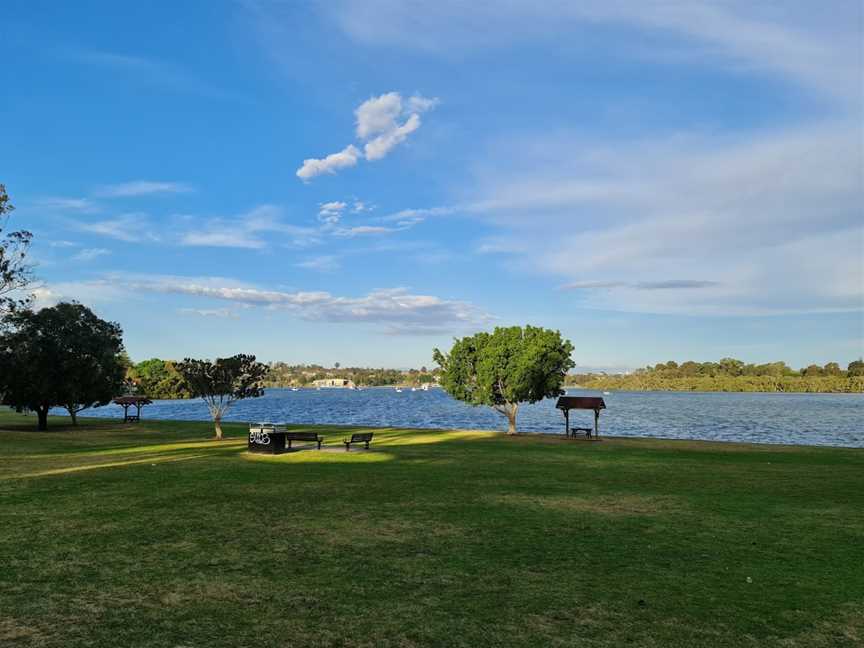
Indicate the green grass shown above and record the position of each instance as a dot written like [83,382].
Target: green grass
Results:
[153,535]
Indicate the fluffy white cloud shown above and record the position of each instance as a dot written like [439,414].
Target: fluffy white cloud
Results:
[377,148]
[330,213]
[312,167]
[382,123]
[142,188]
[378,114]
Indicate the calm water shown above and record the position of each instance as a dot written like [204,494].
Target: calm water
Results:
[811,419]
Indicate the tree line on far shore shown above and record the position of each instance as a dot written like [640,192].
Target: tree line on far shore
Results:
[730,375]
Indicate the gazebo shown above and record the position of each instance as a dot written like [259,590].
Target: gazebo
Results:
[127,401]
[566,403]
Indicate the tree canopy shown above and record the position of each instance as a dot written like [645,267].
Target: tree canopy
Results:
[15,272]
[223,382]
[157,379]
[62,356]
[731,375]
[507,367]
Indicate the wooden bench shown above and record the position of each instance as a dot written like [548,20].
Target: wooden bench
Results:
[588,431]
[360,437]
[303,436]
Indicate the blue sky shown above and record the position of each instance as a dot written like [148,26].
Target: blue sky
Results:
[358,182]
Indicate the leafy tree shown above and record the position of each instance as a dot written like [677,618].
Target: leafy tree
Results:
[223,382]
[812,370]
[855,368]
[832,369]
[15,272]
[158,378]
[507,367]
[61,356]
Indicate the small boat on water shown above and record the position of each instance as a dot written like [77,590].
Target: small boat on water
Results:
[425,387]
[413,389]
[295,389]
[399,389]
[606,393]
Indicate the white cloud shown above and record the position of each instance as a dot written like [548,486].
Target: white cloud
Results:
[126,227]
[751,225]
[324,263]
[377,148]
[88,254]
[330,213]
[252,230]
[382,123]
[378,114]
[396,308]
[360,230]
[210,312]
[359,207]
[82,205]
[312,167]
[797,39]
[142,188]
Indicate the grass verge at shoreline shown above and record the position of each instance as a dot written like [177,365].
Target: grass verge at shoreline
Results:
[154,535]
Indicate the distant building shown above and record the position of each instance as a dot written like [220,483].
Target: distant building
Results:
[337,383]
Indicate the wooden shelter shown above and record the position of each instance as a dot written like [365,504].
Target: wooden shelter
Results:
[128,401]
[566,403]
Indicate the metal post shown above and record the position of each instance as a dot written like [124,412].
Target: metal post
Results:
[596,423]
[566,423]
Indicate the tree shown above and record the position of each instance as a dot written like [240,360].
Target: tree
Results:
[855,368]
[223,382]
[832,369]
[15,272]
[507,367]
[61,356]
[812,370]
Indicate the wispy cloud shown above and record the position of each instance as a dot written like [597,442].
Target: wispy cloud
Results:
[142,188]
[668,284]
[126,227]
[323,263]
[396,309]
[382,123]
[251,230]
[89,254]
[801,43]
[750,223]
[82,205]
[146,71]
[222,313]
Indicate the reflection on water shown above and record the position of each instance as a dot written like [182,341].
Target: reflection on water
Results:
[813,419]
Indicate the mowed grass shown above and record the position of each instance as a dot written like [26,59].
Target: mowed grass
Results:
[154,535]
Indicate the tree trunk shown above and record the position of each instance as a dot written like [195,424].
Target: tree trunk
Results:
[217,422]
[42,414]
[511,418]
[74,416]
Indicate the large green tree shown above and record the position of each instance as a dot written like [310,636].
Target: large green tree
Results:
[64,356]
[15,272]
[507,367]
[223,382]
[158,378]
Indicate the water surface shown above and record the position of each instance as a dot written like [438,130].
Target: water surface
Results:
[809,419]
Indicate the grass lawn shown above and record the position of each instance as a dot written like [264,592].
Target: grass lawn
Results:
[153,535]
